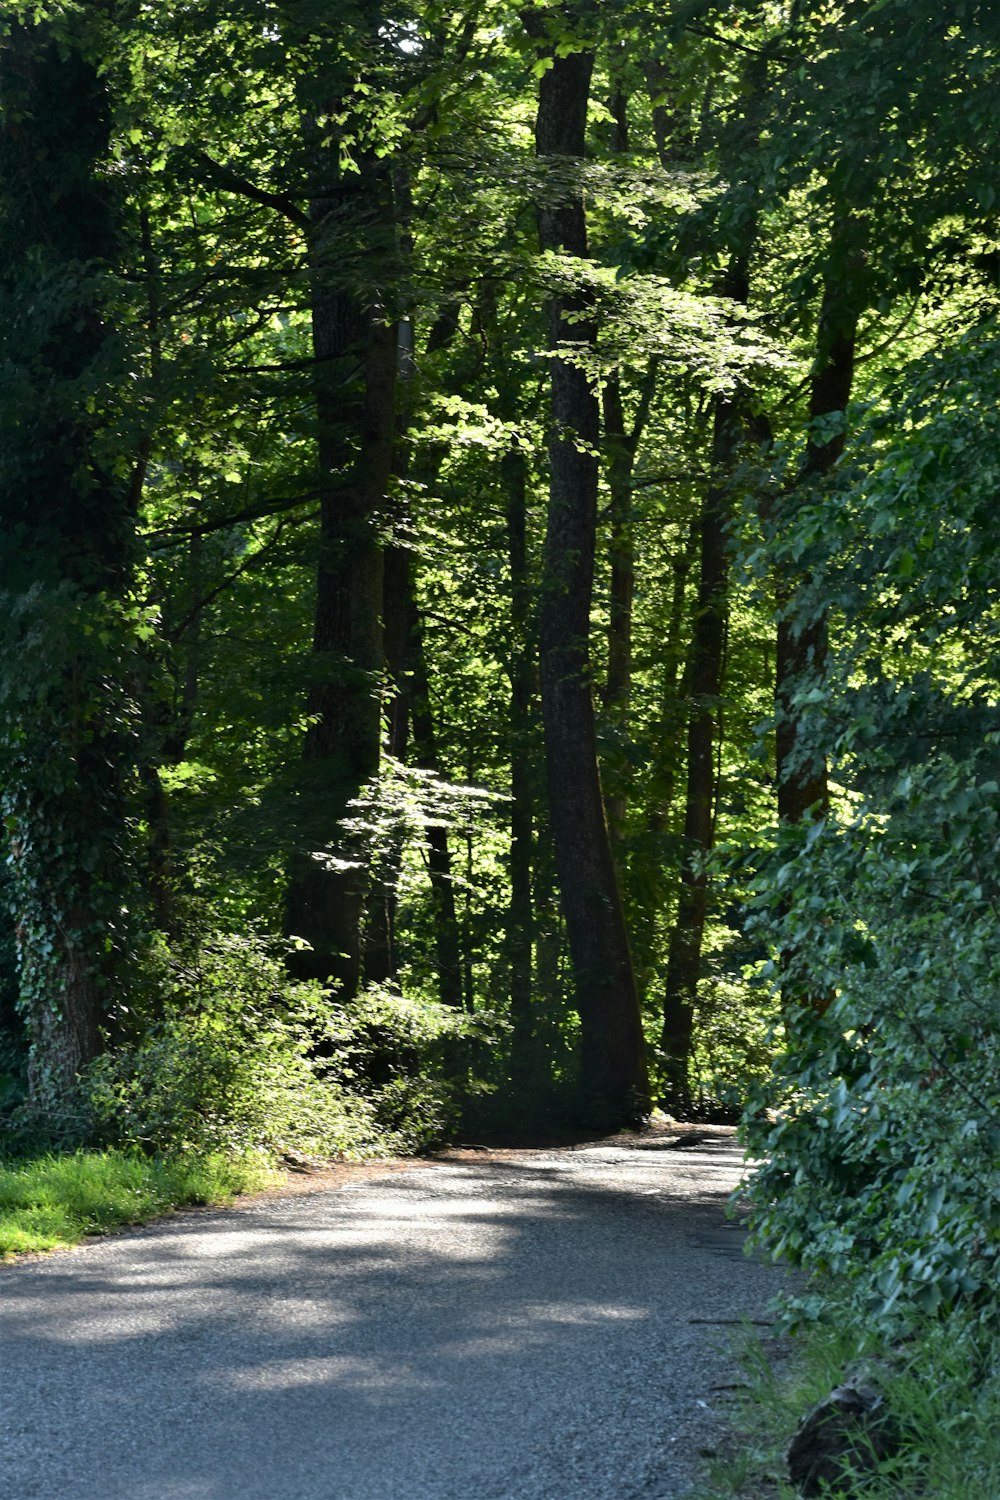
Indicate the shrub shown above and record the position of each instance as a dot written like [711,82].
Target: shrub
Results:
[232,1055]
[228,1061]
[884,1134]
[414,1061]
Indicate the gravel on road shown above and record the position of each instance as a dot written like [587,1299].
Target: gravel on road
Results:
[516,1325]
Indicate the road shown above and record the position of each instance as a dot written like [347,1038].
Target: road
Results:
[530,1325]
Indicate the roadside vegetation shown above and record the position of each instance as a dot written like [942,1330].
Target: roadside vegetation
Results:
[232,1070]
[52,1202]
[939,1386]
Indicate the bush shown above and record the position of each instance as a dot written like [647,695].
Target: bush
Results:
[881,1132]
[226,1063]
[883,1135]
[231,1055]
[414,1061]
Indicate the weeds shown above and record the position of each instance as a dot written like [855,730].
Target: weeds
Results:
[942,1388]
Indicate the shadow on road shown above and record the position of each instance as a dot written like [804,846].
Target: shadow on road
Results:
[461,1332]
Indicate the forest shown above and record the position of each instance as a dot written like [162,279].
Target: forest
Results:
[499,564]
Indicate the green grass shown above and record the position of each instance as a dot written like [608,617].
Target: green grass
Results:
[942,1388]
[50,1202]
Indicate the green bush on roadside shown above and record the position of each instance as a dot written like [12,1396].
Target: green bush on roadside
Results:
[237,1057]
[225,1061]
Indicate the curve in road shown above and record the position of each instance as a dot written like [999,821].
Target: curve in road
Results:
[533,1325]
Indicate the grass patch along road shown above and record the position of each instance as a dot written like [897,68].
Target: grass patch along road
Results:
[52,1202]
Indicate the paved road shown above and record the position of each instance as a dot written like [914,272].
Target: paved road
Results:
[522,1326]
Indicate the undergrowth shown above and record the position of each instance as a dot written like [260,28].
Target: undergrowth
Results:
[942,1391]
[223,1067]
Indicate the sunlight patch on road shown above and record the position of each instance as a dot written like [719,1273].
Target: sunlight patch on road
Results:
[355,1374]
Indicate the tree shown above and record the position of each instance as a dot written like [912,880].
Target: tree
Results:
[67,516]
[351,219]
[613,1080]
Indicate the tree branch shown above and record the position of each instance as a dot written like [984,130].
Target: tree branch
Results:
[172,536]
[227,583]
[231,181]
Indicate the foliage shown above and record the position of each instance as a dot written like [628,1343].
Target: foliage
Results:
[235,1057]
[734,1042]
[414,1062]
[49,1202]
[168,687]
[883,1143]
[213,1058]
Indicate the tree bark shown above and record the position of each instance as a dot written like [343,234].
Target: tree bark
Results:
[66,733]
[732,425]
[704,688]
[520,911]
[802,638]
[802,634]
[613,1066]
[447,939]
[382,896]
[355,347]
[621,444]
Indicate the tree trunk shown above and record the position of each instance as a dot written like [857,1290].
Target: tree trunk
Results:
[802,639]
[355,347]
[447,939]
[704,687]
[613,1066]
[66,731]
[801,654]
[621,445]
[732,424]
[520,912]
[382,896]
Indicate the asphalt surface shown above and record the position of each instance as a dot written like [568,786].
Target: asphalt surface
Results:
[537,1325]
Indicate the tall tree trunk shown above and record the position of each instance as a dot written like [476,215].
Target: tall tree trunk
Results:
[650,896]
[379,958]
[447,938]
[66,735]
[620,459]
[732,424]
[513,402]
[613,1065]
[382,895]
[622,445]
[355,347]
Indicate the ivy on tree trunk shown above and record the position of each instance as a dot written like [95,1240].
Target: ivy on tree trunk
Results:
[66,520]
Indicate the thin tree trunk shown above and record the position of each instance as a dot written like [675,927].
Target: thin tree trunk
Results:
[801,640]
[379,957]
[622,445]
[447,937]
[801,647]
[732,424]
[382,897]
[704,688]
[520,912]
[613,1065]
